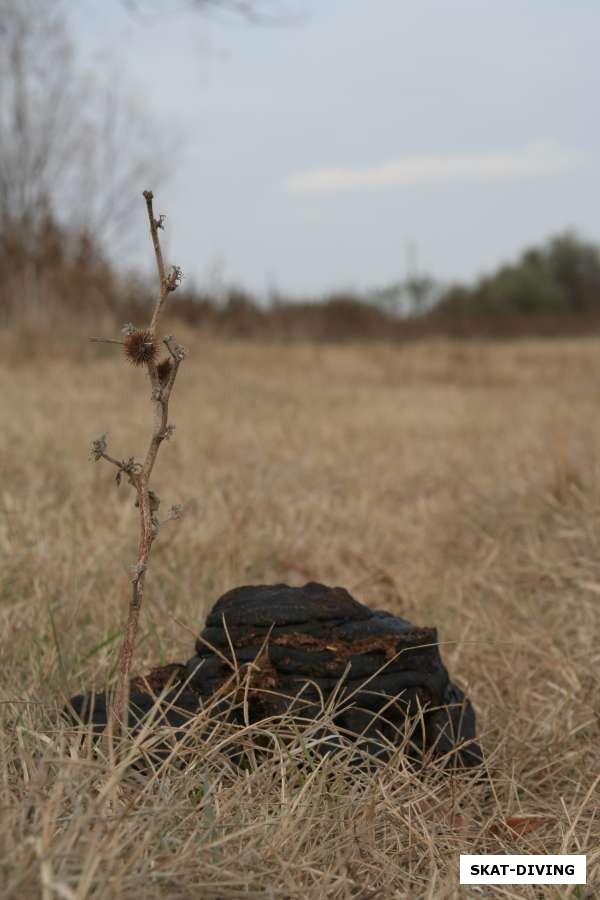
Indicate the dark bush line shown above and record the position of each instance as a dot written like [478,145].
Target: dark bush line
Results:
[551,291]
[346,319]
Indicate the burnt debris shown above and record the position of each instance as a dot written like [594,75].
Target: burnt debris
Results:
[275,650]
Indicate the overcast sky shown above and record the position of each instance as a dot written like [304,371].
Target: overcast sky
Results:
[315,153]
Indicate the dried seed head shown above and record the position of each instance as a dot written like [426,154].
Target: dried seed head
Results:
[140,347]
[163,370]
[99,448]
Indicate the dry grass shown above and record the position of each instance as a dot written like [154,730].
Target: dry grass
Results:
[455,484]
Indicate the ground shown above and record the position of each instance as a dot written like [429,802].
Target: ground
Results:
[453,483]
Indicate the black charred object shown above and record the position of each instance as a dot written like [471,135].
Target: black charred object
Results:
[286,650]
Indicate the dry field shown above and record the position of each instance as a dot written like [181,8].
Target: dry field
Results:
[456,484]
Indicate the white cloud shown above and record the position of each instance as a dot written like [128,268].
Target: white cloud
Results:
[543,158]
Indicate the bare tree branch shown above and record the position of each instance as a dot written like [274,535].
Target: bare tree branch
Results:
[256,12]
[70,143]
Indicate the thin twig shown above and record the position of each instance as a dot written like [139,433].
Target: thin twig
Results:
[167,283]
[155,224]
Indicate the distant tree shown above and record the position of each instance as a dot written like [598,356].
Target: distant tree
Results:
[561,276]
[421,291]
[524,289]
[412,296]
[575,265]
[64,134]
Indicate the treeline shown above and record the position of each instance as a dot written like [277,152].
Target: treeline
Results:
[562,276]
[53,274]
[72,150]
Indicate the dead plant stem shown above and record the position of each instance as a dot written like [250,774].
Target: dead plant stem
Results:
[139,474]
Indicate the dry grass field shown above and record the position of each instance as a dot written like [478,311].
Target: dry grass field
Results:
[456,484]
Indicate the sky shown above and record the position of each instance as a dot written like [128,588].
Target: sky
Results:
[363,138]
